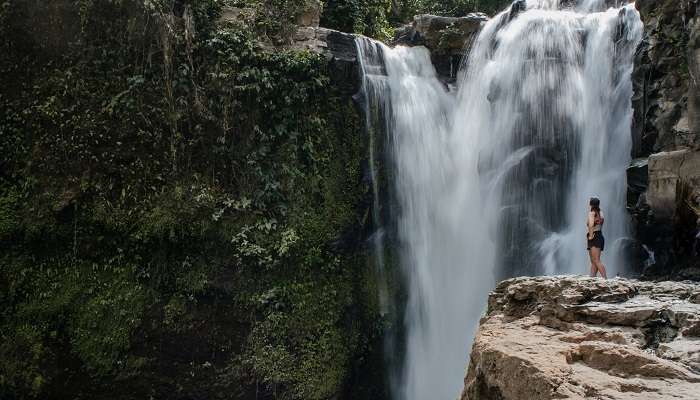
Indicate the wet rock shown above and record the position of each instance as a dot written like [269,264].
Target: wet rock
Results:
[637,180]
[447,38]
[583,338]
[516,8]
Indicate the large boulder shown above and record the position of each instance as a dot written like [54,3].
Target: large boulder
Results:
[587,338]
[673,177]
[447,38]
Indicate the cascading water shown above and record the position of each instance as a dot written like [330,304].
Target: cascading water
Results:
[439,220]
[548,92]
[493,181]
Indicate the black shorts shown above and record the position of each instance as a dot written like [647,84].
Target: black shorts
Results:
[597,241]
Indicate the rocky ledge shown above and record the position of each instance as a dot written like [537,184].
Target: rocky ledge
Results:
[582,338]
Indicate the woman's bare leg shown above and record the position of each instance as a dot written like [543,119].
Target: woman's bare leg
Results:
[594,268]
[595,253]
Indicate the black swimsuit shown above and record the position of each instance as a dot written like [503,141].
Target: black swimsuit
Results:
[598,238]
[597,241]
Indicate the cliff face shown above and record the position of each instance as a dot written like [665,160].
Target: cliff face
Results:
[182,210]
[664,191]
[583,338]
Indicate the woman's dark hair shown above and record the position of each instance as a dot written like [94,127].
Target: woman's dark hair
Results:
[595,204]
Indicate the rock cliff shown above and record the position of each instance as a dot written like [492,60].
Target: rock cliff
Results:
[582,338]
[663,192]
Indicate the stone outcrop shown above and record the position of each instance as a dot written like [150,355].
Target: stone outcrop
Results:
[338,48]
[585,338]
[328,42]
[669,173]
[447,38]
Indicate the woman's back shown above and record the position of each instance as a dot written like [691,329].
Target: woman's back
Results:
[598,220]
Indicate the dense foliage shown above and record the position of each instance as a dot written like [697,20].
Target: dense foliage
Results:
[180,209]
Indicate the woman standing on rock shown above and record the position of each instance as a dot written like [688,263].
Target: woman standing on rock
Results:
[596,241]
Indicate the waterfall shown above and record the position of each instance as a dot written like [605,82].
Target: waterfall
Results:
[493,180]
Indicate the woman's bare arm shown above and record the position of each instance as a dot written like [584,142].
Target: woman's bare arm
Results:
[590,224]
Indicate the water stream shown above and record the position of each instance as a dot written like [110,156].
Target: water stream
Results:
[492,180]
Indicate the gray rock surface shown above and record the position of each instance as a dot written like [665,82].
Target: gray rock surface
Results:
[328,42]
[585,338]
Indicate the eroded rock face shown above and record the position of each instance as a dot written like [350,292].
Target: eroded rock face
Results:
[583,338]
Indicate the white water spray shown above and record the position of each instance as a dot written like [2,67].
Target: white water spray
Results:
[493,181]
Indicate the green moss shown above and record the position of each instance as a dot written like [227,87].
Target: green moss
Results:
[181,227]
[8,213]
[104,321]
